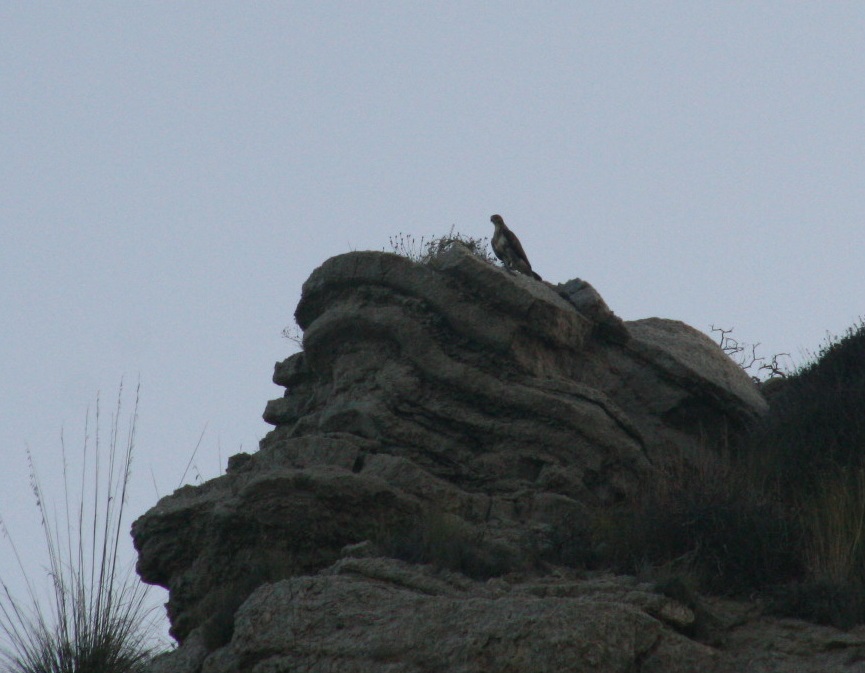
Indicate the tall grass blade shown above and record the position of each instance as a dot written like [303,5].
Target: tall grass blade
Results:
[97,619]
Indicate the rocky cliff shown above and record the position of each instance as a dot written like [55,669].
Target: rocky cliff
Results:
[424,499]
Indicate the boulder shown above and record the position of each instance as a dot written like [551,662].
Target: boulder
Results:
[380,615]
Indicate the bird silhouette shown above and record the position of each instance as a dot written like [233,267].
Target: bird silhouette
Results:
[508,248]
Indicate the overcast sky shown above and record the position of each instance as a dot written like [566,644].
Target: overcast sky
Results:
[171,173]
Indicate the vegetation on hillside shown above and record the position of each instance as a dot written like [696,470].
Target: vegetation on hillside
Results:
[782,516]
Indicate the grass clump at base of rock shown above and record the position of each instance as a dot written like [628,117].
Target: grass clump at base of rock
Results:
[424,249]
[705,523]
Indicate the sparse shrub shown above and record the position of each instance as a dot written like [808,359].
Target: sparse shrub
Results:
[816,425]
[96,620]
[746,357]
[294,334]
[422,250]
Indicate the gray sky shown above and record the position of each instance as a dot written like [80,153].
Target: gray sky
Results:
[171,173]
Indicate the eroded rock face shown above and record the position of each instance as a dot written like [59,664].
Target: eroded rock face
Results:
[456,397]
[379,614]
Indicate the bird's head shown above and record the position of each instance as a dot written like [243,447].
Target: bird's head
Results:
[497,220]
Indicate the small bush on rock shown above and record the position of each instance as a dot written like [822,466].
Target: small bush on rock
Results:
[423,250]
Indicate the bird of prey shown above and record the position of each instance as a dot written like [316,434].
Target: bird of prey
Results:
[508,249]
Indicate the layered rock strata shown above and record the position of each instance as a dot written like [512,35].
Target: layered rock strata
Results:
[451,399]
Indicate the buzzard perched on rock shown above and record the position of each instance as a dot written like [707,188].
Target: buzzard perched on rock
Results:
[507,247]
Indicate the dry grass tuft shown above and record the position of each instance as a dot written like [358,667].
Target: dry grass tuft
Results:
[96,619]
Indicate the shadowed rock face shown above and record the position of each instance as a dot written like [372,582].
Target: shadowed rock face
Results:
[455,389]
[376,614]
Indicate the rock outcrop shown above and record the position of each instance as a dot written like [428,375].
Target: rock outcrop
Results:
[450,412]
[378,614]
